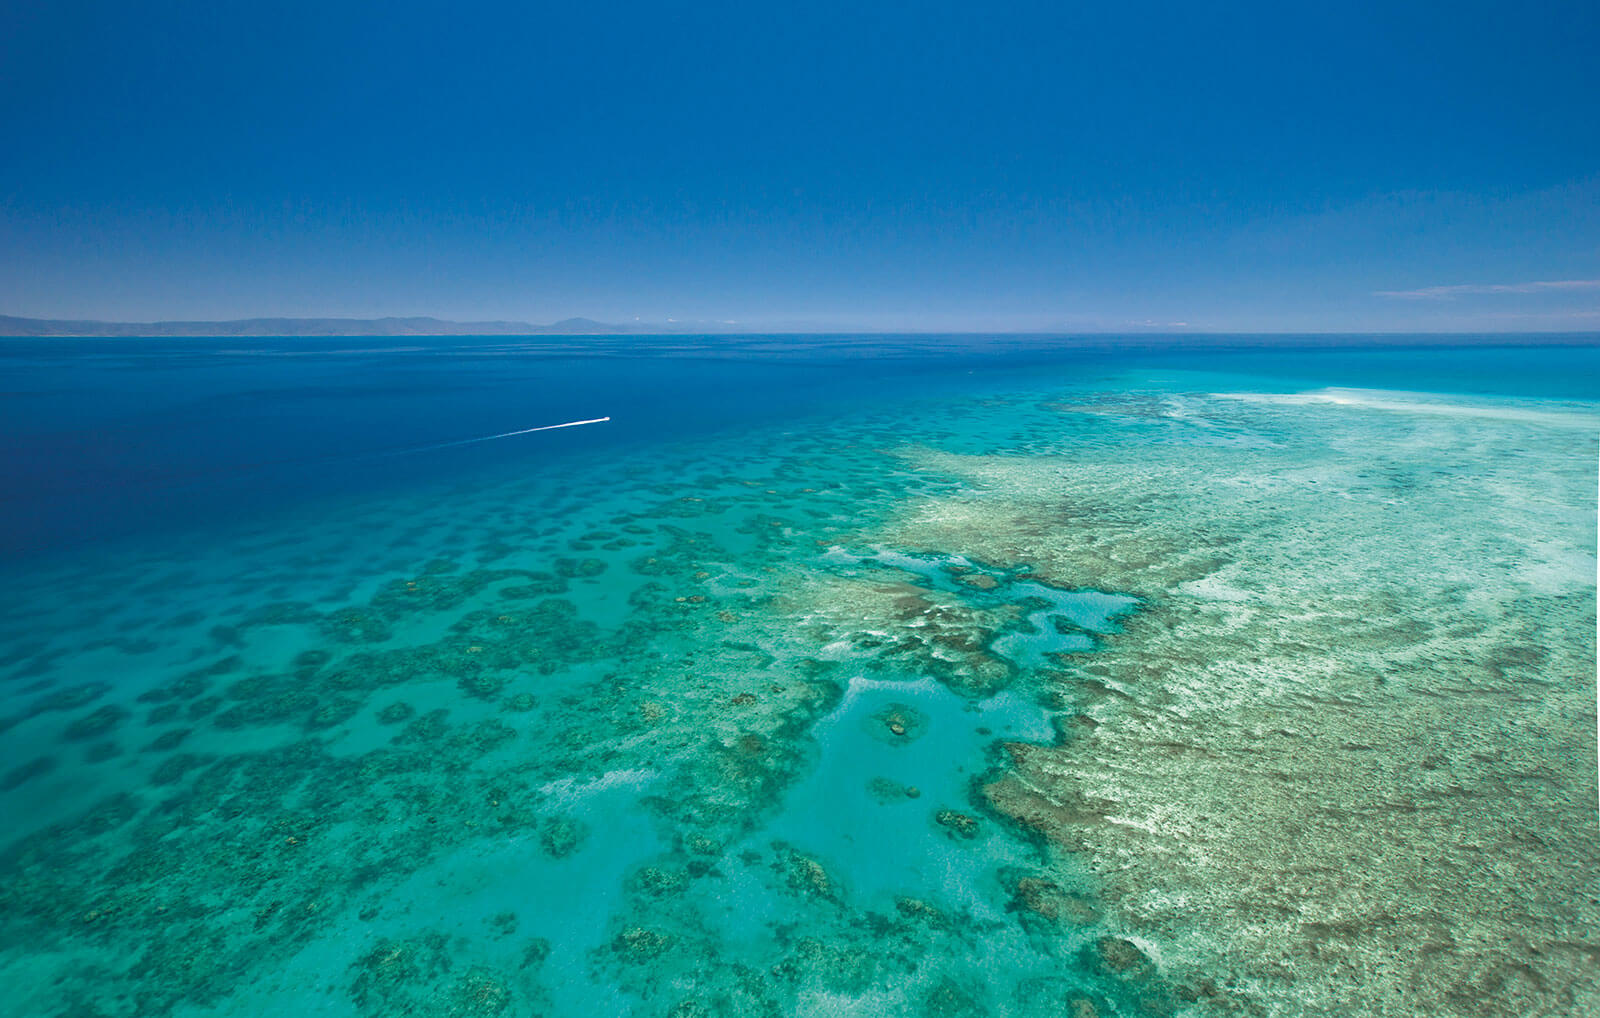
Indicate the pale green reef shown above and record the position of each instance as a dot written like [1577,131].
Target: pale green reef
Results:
[1132,695]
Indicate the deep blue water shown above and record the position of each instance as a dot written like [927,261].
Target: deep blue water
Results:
[108,439]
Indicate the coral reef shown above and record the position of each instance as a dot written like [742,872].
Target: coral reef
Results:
[1100,700]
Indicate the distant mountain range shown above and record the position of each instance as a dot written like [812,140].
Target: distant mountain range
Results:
[11,326]
[1137,337]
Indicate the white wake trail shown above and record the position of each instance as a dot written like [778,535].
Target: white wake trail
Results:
[507,434]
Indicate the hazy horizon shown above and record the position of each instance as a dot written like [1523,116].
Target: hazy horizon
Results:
[418,325]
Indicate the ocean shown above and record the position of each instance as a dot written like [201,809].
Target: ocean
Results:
[828,676]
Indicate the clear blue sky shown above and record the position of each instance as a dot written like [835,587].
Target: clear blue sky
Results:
[1124,165]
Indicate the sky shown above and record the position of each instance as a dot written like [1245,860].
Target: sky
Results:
[1127,166]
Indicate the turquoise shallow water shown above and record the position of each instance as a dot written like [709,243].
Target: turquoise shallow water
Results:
[670,715]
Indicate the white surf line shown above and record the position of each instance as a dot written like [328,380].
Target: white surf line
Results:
[507,434]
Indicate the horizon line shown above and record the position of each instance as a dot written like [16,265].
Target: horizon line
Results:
[84,328]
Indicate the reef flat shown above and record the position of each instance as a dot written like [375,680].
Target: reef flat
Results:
[1116,692]
[1343,760]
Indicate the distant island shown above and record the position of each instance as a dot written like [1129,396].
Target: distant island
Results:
[13,327]
[42,327]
